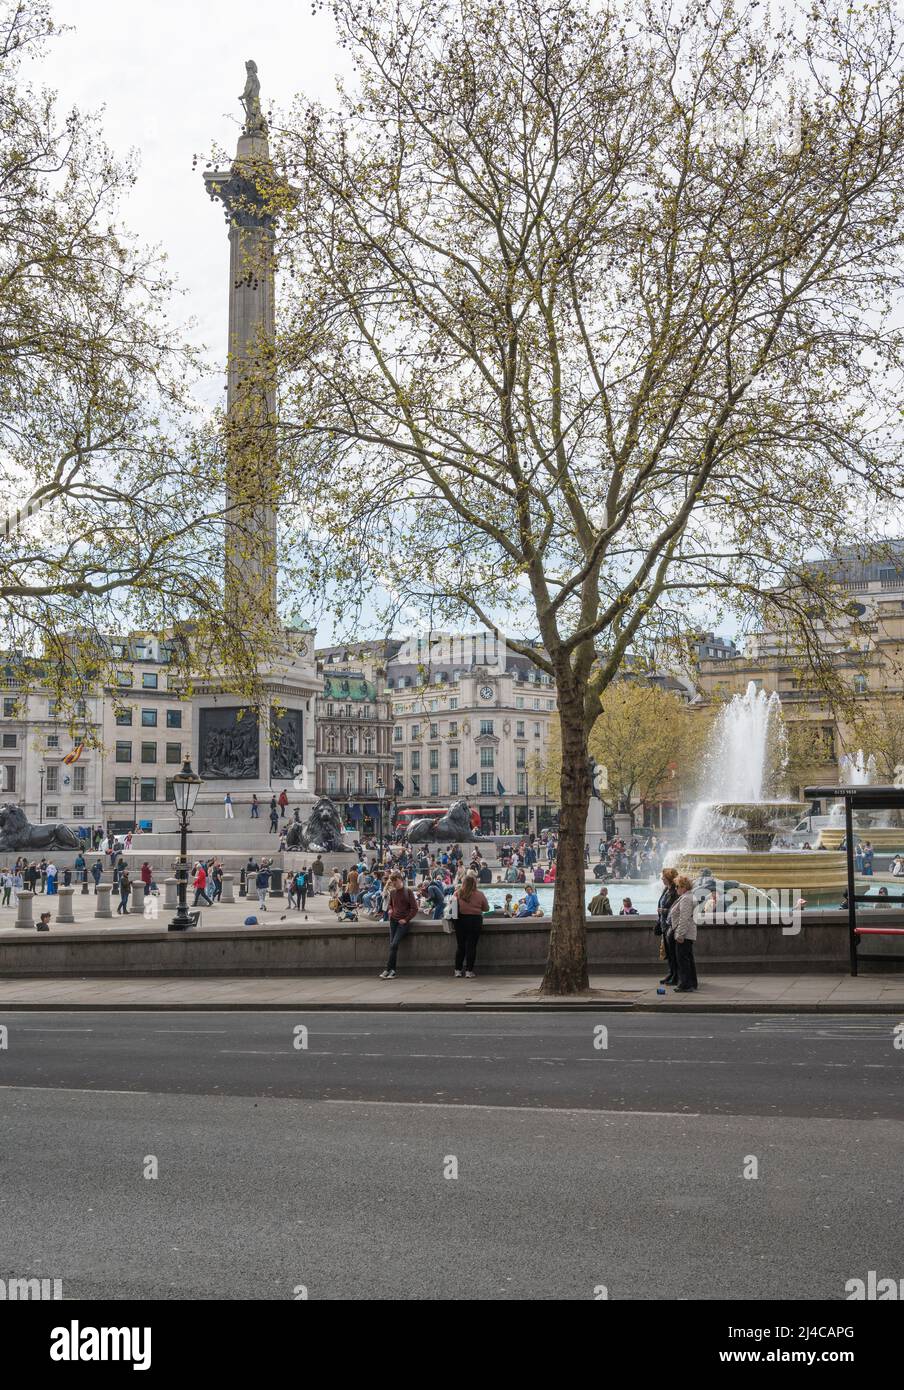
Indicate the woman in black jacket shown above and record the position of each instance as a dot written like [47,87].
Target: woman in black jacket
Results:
[667,897]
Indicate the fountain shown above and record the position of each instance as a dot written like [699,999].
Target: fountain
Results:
[857,770]
[741,813]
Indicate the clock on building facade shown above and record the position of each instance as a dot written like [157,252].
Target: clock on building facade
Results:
[486,692]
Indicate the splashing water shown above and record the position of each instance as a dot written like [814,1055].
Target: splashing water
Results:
[745,763]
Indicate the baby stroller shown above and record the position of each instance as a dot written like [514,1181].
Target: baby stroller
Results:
[345,908]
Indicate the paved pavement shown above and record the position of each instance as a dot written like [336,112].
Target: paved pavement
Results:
[450,1156]
[732,993]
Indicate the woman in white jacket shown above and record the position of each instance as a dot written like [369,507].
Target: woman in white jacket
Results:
[683,928]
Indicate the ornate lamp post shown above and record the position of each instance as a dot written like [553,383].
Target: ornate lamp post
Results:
[41,803]
[186,785]
[381,797]
[135,805]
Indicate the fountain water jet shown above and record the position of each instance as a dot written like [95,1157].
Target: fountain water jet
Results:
[734,825]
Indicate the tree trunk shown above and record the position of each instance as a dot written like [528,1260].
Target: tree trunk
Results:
[566,964]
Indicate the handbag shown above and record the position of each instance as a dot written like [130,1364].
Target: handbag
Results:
[450,914]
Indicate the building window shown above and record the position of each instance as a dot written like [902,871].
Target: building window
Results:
[331,783]
[174,752]
[453,702]
[168,789]
[434,731]
[174,719]
[519,729]
[52,706]
[149,719]
[860,685]
[434,757]
[9,706]
[487,757]
[369,745]
[486,726]
[415,761]
[536,704]
[53,740]
[78,779]
[78,810]
[434,784]
[521,784]
[397,761]
[521,757]
[10,777]
[52,782]
[331,746]
[149,680]
[415,731]
[368,779]
[453,729]
[81,709]
[123,677]
[123,789]
[519,702]
[397,733]
[124,719]
[453,784]
[124,751]
[9,740]
[486,784]
[536,731]
[453,757]
[148,790]
[149,752]
[51,812]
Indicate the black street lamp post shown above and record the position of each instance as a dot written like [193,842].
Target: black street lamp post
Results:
[381,797]
[135,805]
[186,785]
[41,795]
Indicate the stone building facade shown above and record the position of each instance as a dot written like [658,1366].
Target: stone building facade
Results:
[471,718]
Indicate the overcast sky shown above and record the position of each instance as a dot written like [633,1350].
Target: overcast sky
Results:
[168,74]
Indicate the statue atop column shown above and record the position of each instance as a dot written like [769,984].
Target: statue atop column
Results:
[251,100]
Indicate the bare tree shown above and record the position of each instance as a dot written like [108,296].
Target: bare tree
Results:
[583,331]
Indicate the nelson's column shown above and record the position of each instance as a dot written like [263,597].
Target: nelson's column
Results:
[233,749]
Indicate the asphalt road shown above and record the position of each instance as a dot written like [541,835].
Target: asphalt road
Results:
[494,1156]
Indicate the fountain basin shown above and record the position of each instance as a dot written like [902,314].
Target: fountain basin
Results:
[884,837]
[758,822]
[820,876]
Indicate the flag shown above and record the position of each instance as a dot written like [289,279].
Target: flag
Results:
[399,787]
[472,780]
[74,756]
[500,789]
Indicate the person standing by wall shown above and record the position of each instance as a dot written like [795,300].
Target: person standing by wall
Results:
[663,909]
[472,904]
[263,886]
[317,872]
[402,907]
[228,811]
[255,807]
[683,926]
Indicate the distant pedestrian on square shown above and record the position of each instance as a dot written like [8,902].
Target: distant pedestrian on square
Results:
[317,872]
[274,818]
[263,885]
[255,807]
[199,883]
[283,802]
[125,888]
[227,807]
[97,873]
